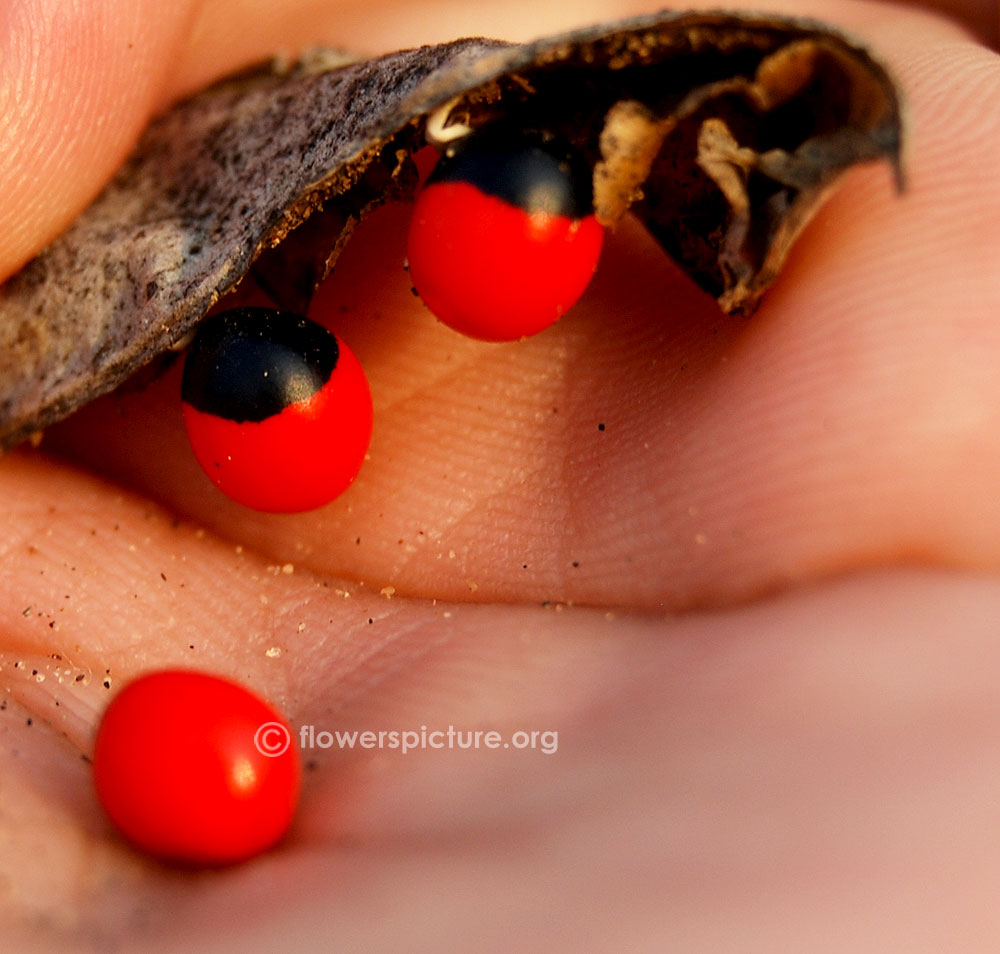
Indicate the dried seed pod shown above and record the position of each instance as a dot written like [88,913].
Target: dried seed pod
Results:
[721,132]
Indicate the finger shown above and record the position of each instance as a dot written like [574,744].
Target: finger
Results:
[745,774]
[165,594]
[741,794]
[77,83]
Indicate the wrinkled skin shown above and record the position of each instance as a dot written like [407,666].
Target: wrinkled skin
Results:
[775,687]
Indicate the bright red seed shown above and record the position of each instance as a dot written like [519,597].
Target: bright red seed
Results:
[503,239]
[277,409]
[195,769]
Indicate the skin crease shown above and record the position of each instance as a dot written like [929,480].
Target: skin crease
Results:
[806,760]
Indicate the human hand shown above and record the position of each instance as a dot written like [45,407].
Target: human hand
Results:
[803,759]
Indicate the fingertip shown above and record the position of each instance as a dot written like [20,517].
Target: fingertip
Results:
[78,81]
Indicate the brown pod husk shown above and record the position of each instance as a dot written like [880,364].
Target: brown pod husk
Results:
[721,132]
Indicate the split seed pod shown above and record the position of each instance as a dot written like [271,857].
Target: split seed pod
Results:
[721,132]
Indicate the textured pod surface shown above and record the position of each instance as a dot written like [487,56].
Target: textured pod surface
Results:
[721,132]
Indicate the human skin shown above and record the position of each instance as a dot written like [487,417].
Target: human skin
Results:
[772,669]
